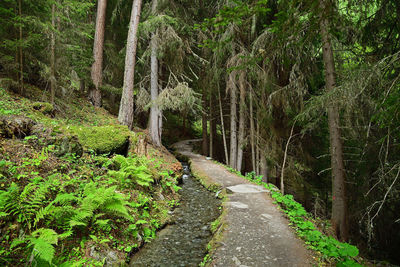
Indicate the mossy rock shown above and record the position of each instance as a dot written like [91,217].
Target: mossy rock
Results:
[15,126]
[9,84]
[44,107]
[68,145]
[111,139]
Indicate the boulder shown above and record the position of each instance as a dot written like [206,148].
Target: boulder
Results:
[63,143]
[110,139]
[13,126]
[44,107]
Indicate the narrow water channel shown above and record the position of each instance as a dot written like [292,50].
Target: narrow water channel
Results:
[184,242]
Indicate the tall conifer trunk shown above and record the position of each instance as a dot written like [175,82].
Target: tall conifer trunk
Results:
[21,56]
[233,140]
[155,112]
[52,55]
[212,124]
[339,205]
[257,148]
[252,132]
[223,127]
[98,47]
[204,146]
[125,115]
[242,122]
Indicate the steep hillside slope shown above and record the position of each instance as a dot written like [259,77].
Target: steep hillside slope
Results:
[75,186]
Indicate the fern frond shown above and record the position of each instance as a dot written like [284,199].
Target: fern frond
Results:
[42,249]
[65,198]
[42,241]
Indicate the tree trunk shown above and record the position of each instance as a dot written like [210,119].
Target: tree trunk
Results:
[21,56]
[339,205]
[258,148]
[82,86]
[264,167]
[53,55]
[242,124]
[252,133]
[155,112]
[212,124]
[233,140]
[204,146]
[125,115]
[223,127]
[98,47]
[284,161]
[184,124]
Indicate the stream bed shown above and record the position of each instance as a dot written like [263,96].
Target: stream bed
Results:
[184,242]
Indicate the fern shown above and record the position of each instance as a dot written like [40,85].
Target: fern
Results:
[130,170]
[102,199]
[25,205]
[41,242]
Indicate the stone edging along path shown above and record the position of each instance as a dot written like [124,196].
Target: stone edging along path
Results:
[255,232]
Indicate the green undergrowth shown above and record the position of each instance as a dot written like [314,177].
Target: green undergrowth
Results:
[56,217]
[69,209]
[67,111]
[331,250]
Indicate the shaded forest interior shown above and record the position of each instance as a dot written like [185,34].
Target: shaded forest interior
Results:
[305,94]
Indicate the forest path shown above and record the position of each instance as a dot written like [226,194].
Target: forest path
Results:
[257,234]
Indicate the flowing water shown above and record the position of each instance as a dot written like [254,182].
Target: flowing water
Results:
[184,242]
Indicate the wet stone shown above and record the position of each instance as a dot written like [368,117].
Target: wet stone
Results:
[246,189]
[238,205]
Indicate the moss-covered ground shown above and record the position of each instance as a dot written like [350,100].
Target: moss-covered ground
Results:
[76,190]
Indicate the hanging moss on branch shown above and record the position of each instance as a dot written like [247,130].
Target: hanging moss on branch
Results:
[180,98]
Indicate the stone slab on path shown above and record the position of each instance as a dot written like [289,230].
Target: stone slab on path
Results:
[257,233]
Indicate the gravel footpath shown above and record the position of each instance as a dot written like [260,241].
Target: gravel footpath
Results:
[257,233]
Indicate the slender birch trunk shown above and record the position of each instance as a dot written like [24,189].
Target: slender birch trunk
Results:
[339,203]
[155,112]
[242,122]
[125,115]
[98,47]
[52,55]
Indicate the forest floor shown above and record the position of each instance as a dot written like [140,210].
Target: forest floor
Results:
[255,232]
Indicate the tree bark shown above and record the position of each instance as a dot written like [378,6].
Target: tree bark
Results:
[242,122]
[125,115]
[223,127]
[155,112]
[52,55]
[233,140]
[284,161]
[21,56]
[252,133]
[257,148]
[339,203]
[212,124]
[204,146]
[264,167]
[98,47]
